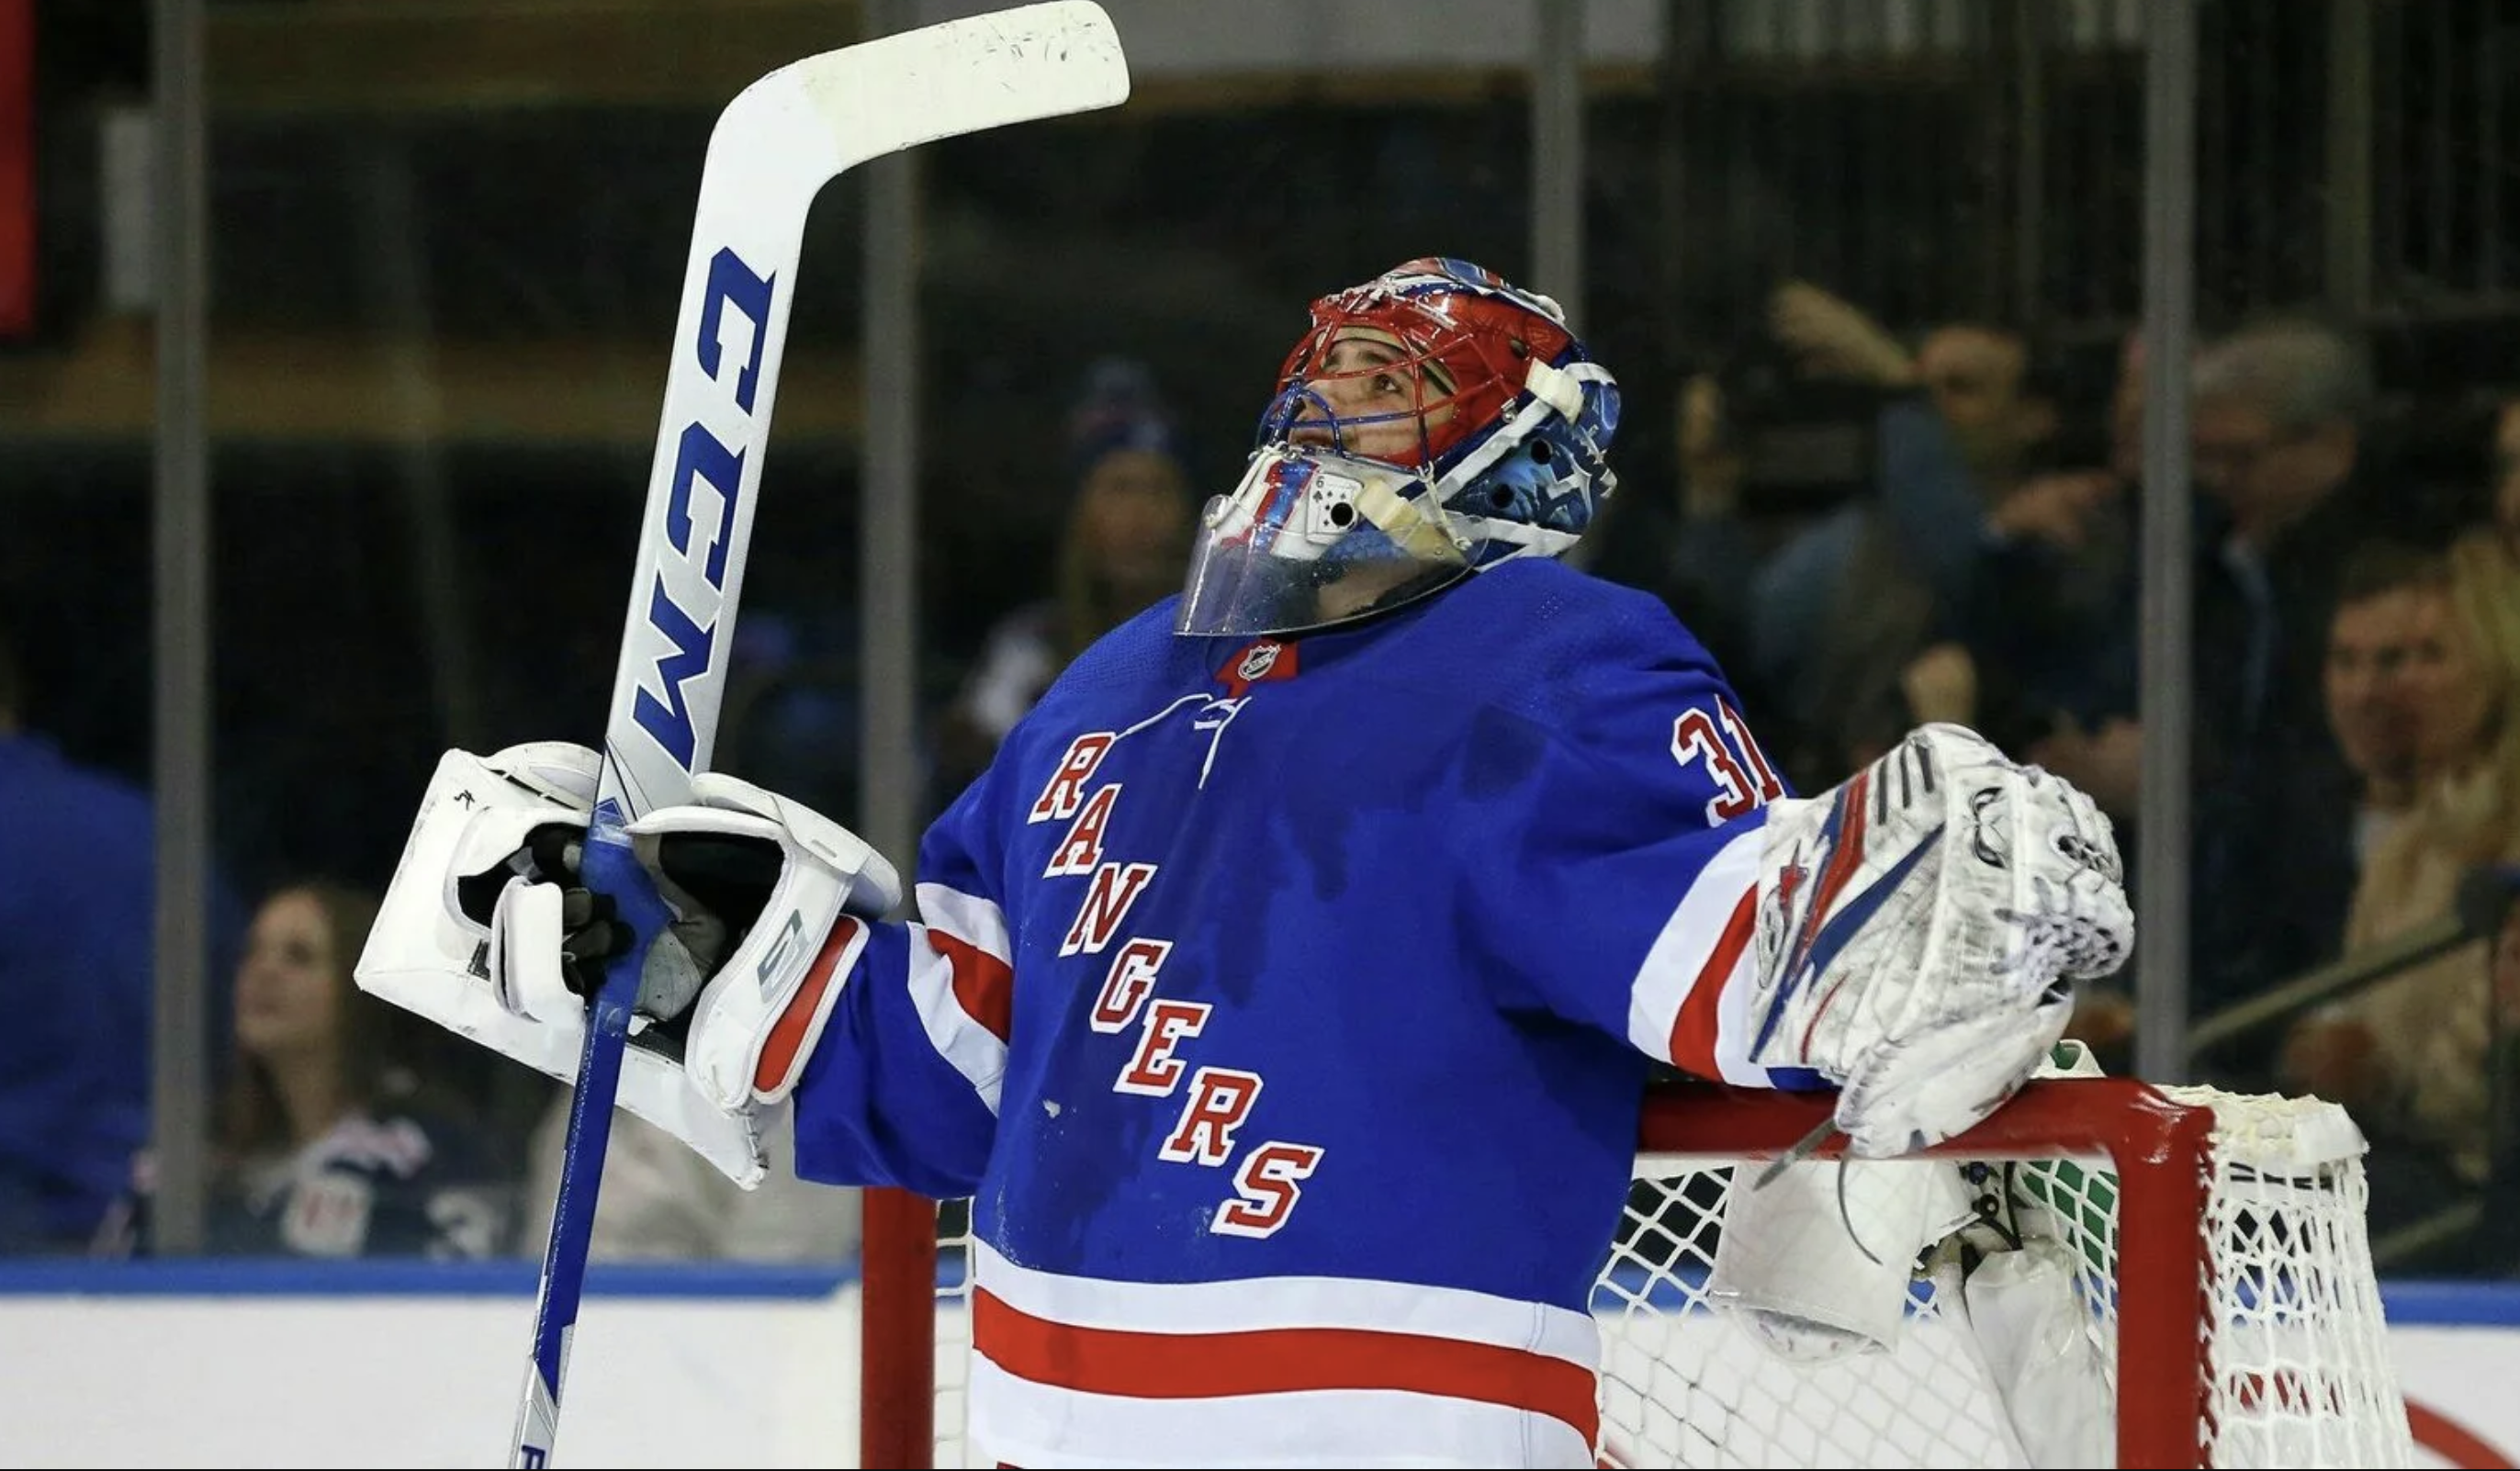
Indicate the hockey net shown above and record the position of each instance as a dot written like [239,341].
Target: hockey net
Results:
[2220,1274]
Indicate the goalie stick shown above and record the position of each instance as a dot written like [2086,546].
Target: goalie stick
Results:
[771,151]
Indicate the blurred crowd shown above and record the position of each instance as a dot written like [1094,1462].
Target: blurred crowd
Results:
[1869,528]
[344,1127]
[2354,744]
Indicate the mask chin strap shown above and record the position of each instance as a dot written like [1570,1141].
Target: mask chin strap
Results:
[1415,525]
[1563,389]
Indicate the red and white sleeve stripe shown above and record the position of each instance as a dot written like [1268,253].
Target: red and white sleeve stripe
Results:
[962,980]
[1690,1000]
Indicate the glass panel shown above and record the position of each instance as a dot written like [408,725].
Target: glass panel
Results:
[77,670]
[1868,274]
[1869,270]
[447,243]
[2354,595]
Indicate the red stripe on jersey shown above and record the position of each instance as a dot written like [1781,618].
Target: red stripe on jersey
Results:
[783,1050]
[1692,1031]
[1278,1361]
[984,985]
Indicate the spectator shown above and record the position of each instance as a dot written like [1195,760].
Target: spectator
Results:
[1842,610]
[2286,497]
[2051,609]
[1123,545]
[333,1140]
[77,876]
[1693,547]
[2389,590]
[2409,1056]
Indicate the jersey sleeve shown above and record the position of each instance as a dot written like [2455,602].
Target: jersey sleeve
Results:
[1629,799]
[902,1089]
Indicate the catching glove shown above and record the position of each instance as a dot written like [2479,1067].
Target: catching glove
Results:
[1920,926]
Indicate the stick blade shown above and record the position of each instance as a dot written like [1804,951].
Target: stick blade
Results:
[944,80]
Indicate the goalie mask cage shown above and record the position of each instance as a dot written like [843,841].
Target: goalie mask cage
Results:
[2222,1266]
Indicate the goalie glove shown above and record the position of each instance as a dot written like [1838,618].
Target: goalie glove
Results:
[791,887]
[488,930]
[1920,927]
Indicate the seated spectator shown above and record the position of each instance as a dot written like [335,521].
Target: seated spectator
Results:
[2407,1056]
[2050,611]
[1123,547]
[2286,493]
[1842,609]
[2387,592]
[77,967]
[332,1140]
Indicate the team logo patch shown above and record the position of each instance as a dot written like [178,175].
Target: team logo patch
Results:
[1257,662]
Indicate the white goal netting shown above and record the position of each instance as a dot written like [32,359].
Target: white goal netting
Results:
[2208,1300]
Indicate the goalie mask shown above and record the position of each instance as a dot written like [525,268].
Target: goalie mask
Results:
[1431,422]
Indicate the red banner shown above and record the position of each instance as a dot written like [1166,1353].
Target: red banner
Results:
[17,168]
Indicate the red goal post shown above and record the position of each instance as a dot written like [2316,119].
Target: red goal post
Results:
[2222,1260]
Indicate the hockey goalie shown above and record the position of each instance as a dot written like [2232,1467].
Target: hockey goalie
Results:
[1382,864]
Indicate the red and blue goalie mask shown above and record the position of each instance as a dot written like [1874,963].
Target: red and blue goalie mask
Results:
[1432,423]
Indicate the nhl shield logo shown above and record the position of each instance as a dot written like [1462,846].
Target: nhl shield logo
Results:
[1257,662]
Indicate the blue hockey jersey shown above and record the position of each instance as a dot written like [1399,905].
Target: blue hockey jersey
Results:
[1285,1007]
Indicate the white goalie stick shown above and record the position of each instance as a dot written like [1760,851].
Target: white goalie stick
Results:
[772,151]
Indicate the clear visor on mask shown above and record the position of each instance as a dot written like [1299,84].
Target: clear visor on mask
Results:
[1310,540]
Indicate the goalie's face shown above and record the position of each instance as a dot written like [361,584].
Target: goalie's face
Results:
[1365,395]
[1432,420]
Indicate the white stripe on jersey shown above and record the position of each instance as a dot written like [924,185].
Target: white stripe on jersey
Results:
[1345,1372]
[976,1052]
[1352,1428]
[967,917]
[1289,1302]
[1677,964]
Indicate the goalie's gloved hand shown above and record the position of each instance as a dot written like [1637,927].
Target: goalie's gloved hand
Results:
[1922,926]
[490,929]
[592,933]
[721,862]
[712,886]
[792,888]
